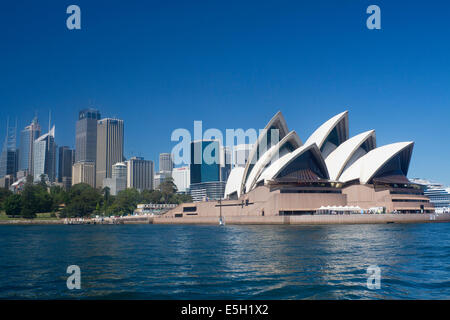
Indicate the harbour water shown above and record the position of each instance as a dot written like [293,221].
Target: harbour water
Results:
[230,262]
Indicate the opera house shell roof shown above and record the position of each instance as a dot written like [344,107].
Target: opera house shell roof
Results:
[329,155]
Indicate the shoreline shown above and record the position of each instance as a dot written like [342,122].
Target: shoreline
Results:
[258,220]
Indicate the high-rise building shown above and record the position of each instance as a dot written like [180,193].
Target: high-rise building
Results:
[6,181]
[182,178]
[140,173]
[44,156]
[241,153]
[8,157]
[205,161]
[165,162]
[65,162]
[27,138]
[119,173]
[225,163]
[86,135]
[118,180]
[160,177]
[83,172]
[205,170]
[109,147]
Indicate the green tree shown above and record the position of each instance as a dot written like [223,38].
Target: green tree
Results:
[43,198]
[181,198]
[151,196]
[43,181]
[29,179]
[125,202]
[13,205]
[4,194]
[29,202]
[82,201]
[59,196]
[108,199]
[168,189]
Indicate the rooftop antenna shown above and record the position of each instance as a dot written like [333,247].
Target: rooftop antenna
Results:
[49,119]
[7,127]
[49,124]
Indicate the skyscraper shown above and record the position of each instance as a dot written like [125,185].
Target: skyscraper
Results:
[225,163]
[109,147]
[44,156]
[8,157]
[140,173]
[205,170]
[65,162]
[86,135]
[83,172]
[241,153]
[202,169]
[27,138]
[182,178]
[165,162]
[118,180]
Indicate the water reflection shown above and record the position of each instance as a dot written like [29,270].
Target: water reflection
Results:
[235,262]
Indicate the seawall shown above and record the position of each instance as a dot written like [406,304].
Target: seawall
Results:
[263,220]
[31,222]
[309,219]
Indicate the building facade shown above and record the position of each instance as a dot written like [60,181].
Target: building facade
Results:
[165,162]
[118,180]
[86,135]
[207,170]
[241,153]
[66,157]
[9,157]
[44,156]
[8,162]
[182,178]
[27,138]
[160,177]
[205,161]
[119,174]
[140,174]
[109,147]
[83,172]
[207,191]
[225,163]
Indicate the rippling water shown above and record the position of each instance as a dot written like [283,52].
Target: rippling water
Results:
[232,262]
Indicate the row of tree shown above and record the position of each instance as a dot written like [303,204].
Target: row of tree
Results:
[82,200]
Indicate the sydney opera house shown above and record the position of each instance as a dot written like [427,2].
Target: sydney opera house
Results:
[330,170]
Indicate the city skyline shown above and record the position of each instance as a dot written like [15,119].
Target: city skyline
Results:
[176,70]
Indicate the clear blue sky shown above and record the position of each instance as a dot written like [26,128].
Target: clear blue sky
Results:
[160,65]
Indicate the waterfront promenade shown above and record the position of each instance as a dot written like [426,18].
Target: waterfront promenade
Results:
[249,220]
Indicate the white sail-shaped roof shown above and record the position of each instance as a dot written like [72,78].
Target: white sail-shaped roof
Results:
[278,150]
[366,167]
[322,135]
[234,181]
[274,169]
[348,152]
[277,122]
[51,133]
